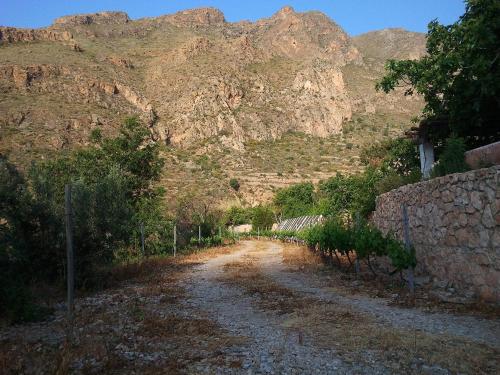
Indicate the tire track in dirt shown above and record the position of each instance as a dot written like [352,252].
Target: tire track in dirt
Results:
[294,324]
[271,348]
[476,329]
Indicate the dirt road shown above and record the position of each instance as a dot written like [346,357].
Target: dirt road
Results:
[261,307]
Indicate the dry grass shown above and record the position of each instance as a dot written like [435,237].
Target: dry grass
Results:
[138,326]
[269,295]
[347,283]
[355,335]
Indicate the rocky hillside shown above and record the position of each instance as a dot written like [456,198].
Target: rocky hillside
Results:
[226,99]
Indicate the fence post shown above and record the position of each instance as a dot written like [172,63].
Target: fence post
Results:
[199,234]
[358,225]
[142,240]
[175,239]
[406,233]
[69,252]
[220,232]
[258,233]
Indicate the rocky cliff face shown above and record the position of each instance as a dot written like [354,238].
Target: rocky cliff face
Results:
[195,79]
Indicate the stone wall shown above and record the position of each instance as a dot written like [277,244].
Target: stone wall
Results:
[455,229]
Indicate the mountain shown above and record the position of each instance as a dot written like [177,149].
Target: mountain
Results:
[280,100]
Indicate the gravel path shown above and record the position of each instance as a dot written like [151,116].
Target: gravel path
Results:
[258,315]
[272,349]
[472,328]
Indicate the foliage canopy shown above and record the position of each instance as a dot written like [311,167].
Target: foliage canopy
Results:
[459,77]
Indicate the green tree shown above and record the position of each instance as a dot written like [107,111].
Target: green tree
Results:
[397,162]
[262,217]
[295,200]
[237,216]
[452,159]
[399,155]
[16,230]
[459,77]
[113,193]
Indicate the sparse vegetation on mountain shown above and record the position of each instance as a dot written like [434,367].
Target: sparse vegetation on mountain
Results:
[228,100]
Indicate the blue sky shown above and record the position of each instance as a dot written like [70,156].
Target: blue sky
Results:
[355,16]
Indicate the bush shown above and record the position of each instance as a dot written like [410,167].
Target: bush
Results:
[295,200]
[234,183]
[111,194]
[393,180]
[452,159]
[365,240]
[238,216]
[262,218]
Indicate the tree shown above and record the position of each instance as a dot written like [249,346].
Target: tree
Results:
[452,159]
[459,77]
[237,216]
[295,200]
[113,193]
[262,218]
[398,155]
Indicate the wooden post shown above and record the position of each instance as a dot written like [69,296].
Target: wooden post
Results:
[258,233]
[142,240]
[406,233]
[175,239]
[356,262]
[70,267]
[199,234]
[220,232]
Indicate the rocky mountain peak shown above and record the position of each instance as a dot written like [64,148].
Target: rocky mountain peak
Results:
[197,16]
[101,18]
[284,12]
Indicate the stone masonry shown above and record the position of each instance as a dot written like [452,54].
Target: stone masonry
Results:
[455,229]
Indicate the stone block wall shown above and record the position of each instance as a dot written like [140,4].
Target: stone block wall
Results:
[455,229]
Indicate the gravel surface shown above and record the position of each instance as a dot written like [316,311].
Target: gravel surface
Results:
[473,328]
[271,349]
[242,310]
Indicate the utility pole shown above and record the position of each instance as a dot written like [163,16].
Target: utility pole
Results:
[70,267]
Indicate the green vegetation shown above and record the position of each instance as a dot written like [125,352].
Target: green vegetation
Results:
[336,237]
[262,217]
[237,216]
[389,164]
[234,183]
[113,195]
[295,200]
[459,77]
[452,159]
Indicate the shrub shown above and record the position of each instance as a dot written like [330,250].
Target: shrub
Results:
[393,180]
[237,216]
[234,183]
[262,218]
[365,240]
[295,200]
[452,159]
